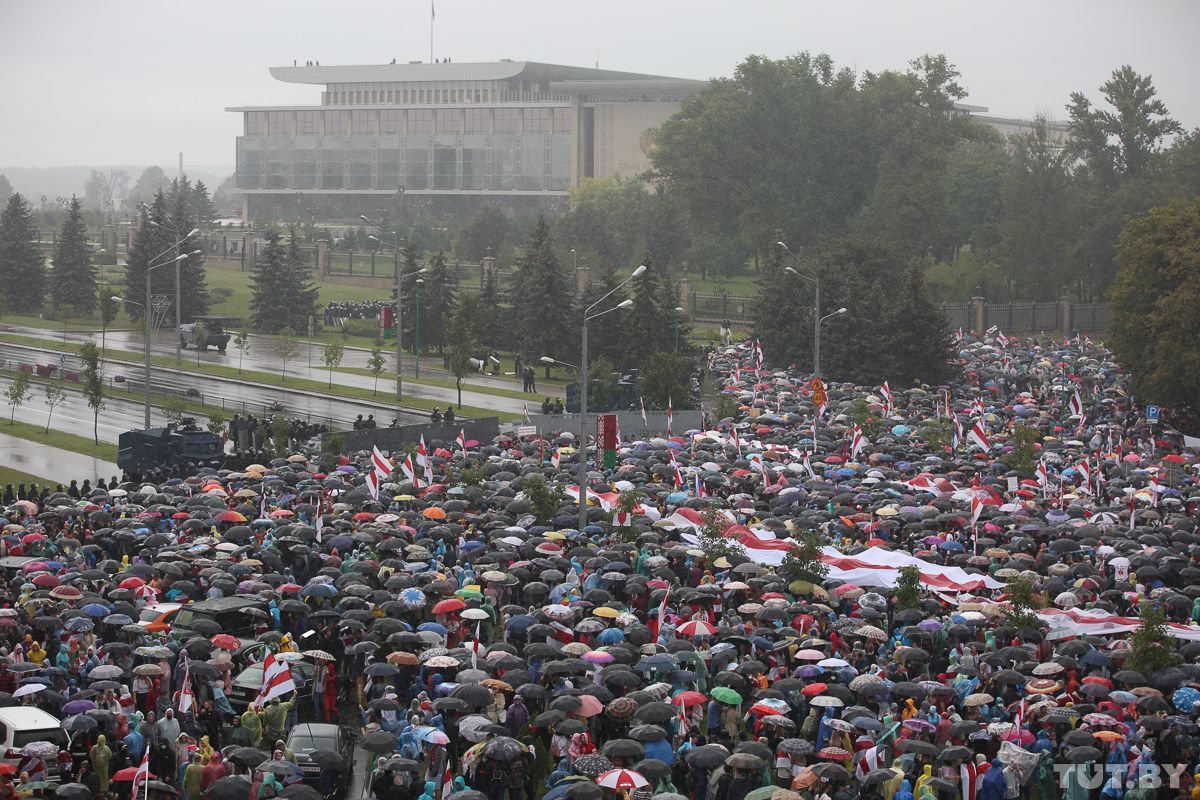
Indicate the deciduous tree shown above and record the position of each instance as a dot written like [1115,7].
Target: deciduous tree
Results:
[92,376]
[1155,332]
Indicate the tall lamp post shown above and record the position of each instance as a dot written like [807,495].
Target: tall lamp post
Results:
[148,314]
[583,382]
[678,314]
[816,280]
[417,328]
[383,238]
[178,306]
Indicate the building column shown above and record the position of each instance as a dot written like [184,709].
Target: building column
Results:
[1065,308]
[978,312]
[322,255]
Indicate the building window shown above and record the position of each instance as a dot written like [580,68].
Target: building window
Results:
[256,123]
[447,121]
[562,120]
[476,120]
[391,122]
[537,120]
[279,123]
[507,120]
[308,123]
[420,121]
[362,123]
[337,123]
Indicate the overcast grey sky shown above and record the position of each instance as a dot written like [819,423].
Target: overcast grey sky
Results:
[138,82]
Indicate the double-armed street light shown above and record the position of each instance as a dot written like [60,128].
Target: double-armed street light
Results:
[815,277]
[396,243]
[583,382]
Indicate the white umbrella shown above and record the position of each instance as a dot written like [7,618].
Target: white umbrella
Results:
[30,688]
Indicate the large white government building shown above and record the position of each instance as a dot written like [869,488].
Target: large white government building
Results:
[447,137]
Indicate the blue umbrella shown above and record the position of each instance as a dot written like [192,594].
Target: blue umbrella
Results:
[517,624]
[319,590]
[610,635]
[952,545]
[96,610]
[79,624]
[340,543]
[1185,698]
[1095,658]
[677,497]
[440,630]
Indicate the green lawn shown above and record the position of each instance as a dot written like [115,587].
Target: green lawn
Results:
[60,439]
[14,477]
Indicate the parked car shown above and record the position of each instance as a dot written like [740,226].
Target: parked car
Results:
[158,617]
[248,682]
[310,736]
[228,612]
[22,725]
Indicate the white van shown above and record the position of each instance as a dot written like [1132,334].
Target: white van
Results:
[22,725]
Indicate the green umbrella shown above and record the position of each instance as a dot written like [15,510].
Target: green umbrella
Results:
[727,695]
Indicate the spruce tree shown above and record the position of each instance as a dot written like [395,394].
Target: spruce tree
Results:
[73,279]
[920,348]
[649,326]
[202,206]
[193,285]
[150,243]
[22,265]
[542,306]
[268,314]
[496,333]
[438,298]
[410,263]
[305,297]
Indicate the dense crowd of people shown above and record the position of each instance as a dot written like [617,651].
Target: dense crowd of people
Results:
[839,592]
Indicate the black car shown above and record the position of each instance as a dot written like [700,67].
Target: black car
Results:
[310,736]
[248,682]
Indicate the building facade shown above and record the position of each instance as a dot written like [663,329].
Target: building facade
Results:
[447,138]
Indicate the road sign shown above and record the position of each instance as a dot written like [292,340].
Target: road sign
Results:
[1152,412]
[819,397]
[62,359]
[817,385]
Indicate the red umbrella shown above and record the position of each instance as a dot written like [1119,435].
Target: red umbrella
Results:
[688,699]
[813,689]
[622,779]
[131,583]
[225,641]
[449,606]
[230,516]
[46,581]
[120,775]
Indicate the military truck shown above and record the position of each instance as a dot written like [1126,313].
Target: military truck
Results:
[182,445]
[215,334]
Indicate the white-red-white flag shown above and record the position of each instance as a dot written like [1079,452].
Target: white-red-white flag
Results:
[857,441]
[410,472]
[1076,403]
[423,461]
[373,485]
[887,396]
[142,775]
[555,458]
[447,782]
[1043,476]
[462,439]
[527,411]
[277,680]
[643,404]
[669,417]
[383,465]
[978,437]
[808,466]
[186,697]
[976,509]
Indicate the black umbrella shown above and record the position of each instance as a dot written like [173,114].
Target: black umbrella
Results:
[231,787]
[379,742]
[503,748]
[707,756]
[328,759]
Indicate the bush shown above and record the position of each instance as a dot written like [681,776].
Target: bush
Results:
[367,328]
[221,294]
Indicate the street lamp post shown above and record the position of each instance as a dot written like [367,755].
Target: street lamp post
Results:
[417,329]
[400,276]
[678,313]
[815,278]
[583,381]
[178,320]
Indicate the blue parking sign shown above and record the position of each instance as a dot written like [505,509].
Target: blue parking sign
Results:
[1152,412]
[62,358]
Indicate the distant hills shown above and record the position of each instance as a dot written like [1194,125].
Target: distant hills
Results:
[33,182]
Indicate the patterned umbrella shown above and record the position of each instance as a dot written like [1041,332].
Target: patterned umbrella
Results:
[592,765]
[621,709]
[413,598]
[621,779]
[834,753]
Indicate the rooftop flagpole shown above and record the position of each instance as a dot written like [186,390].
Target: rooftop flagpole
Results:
[432,17]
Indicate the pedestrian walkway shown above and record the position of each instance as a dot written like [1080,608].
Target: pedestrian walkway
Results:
[52,463]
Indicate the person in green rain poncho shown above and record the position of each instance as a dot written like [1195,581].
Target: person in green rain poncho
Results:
[1045,778]
[252,722]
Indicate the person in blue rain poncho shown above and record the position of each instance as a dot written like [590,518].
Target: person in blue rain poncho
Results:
[994,784]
